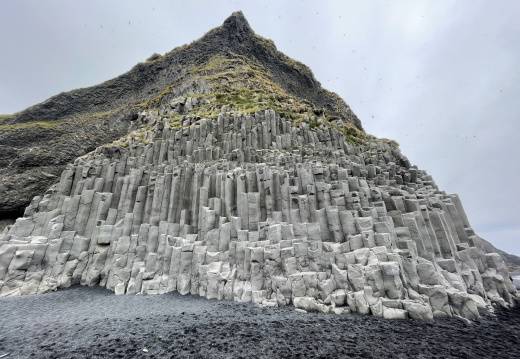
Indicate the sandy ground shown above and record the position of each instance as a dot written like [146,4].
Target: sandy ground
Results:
[82,322]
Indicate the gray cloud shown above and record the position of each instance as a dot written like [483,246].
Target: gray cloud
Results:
[441,78]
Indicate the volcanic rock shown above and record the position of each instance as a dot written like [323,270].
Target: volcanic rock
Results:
[236,176]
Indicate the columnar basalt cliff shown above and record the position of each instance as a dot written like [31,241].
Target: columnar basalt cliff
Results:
[37,143]
[240,178]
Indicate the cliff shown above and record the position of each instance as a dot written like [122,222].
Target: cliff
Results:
[35,144]
[235,176]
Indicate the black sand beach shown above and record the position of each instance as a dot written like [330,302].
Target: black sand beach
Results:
[82,322]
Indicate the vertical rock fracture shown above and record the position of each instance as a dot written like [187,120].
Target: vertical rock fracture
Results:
[232,188]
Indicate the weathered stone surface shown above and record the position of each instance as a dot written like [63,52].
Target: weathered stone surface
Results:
[255,208]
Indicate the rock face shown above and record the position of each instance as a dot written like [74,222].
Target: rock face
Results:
[232,186]
[37,143]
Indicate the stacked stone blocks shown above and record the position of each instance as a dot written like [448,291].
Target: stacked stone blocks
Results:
[254,208]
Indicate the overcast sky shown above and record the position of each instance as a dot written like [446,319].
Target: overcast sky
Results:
[440,77]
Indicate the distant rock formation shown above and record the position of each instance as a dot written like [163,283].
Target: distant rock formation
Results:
[512,261]
[244,180]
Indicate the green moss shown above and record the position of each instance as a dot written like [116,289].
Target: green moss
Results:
[314,125]
[175,122]
[217,63]
[30,125]
[156,101]
[139,136]
[392,143]
[57,123]
[154,58]
[3,117]
[251,110]
[352,134]
[209,115]
[121,144]
[104,114]
[245,86]
[199,95]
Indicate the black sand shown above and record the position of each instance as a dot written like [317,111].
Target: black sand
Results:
[82,322]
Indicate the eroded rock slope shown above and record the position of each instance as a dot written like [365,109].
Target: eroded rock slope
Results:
[37,143]
[230,185]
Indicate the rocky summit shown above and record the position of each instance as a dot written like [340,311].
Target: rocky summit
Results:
[224,169]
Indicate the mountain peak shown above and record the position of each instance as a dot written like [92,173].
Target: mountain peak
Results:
[237,23]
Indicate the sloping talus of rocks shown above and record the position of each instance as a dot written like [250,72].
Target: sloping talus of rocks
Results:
[230,186]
